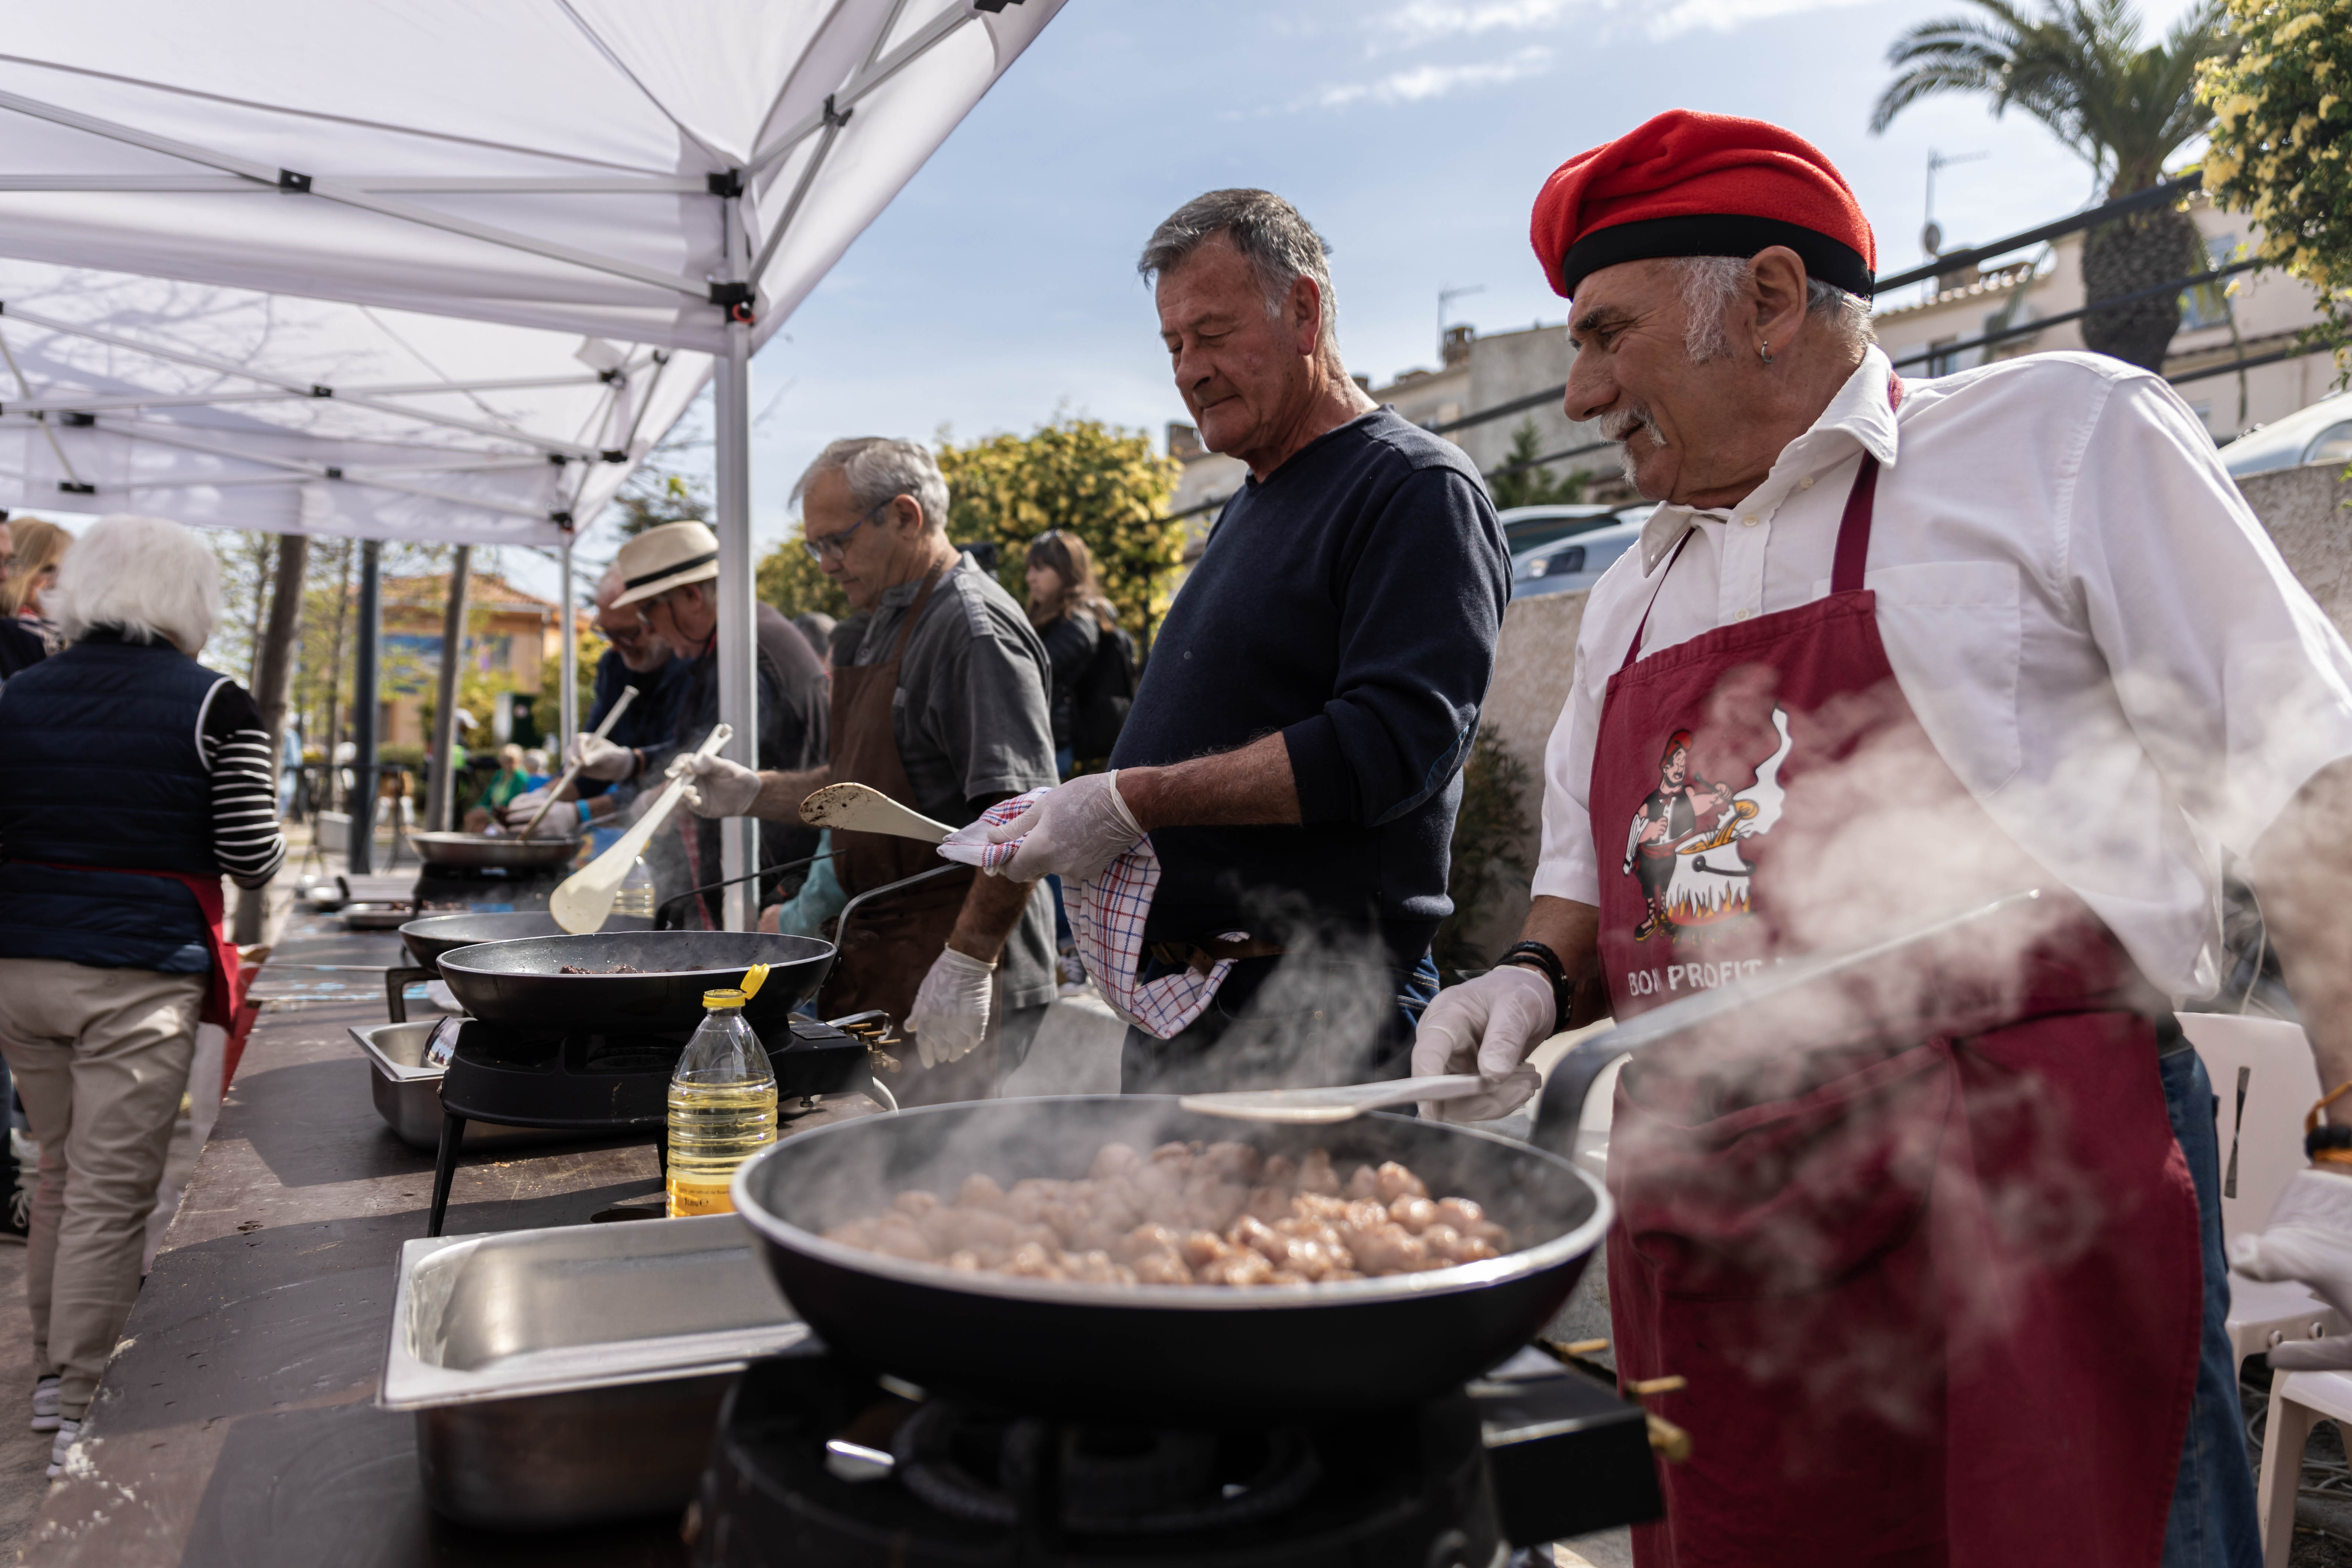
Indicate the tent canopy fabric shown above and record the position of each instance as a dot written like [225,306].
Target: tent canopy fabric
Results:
[586,186]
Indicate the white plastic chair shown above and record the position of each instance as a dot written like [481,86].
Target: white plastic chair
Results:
[2298,1400]
[2263,1073]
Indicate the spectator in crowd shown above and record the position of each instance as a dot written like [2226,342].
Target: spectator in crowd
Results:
[511,780]
[131,779]
[37,550]
[1072,618]
[20,645]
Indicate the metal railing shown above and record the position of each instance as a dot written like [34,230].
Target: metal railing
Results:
[1945,265]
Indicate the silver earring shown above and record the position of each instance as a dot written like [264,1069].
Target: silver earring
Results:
[1766,351]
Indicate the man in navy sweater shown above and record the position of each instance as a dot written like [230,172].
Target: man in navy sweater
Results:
[1294,750]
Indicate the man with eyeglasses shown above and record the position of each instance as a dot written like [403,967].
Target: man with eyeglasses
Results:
[667,573]
[939,690]
[639,657]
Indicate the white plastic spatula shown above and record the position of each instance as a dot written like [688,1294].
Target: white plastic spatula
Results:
[1315,1106]
[585,897]
[860,808]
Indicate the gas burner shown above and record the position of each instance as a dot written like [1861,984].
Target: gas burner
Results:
[822,1465]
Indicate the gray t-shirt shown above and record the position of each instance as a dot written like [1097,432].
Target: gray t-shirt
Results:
[972,724]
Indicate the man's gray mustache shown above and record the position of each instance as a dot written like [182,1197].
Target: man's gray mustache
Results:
[1621,423]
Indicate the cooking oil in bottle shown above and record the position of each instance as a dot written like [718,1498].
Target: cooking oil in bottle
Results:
[722,1103]
[636,896]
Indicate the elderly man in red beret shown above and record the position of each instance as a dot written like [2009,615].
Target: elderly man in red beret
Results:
[1944,1276]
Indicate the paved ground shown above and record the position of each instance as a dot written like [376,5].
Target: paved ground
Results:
[23,1453]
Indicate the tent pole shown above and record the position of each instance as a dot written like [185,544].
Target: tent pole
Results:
[567,702]
[440,776]
[360,856]
[738,690]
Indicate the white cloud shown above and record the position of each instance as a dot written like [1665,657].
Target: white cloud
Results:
[1423,21]
[1722,15]
[1423,83]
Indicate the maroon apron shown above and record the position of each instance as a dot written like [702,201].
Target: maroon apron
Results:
[1937,1295]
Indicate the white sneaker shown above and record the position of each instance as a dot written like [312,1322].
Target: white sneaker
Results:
[45,1403]
[67,1433]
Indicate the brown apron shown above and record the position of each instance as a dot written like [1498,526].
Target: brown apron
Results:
[894,940]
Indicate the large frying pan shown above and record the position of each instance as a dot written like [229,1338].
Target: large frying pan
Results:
[520,982]
[473,851]
[434,935]
[1141,1352]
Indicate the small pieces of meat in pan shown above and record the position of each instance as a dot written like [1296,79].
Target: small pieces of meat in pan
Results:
[616,968]
[1189,1214]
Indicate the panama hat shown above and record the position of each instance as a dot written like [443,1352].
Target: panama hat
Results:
[664,558]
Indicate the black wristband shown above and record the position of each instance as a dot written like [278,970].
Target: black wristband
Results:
[1536,956]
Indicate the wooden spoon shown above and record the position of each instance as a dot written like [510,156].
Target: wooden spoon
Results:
[612,715]
[585,897]
[860,808]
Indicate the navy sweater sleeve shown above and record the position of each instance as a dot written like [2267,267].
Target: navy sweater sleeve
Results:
[1421,597]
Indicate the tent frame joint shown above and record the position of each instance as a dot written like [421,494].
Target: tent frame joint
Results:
[288,180]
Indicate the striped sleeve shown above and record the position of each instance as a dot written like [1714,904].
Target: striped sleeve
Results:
[245,836]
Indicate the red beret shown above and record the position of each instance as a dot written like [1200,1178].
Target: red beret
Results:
[1701,184]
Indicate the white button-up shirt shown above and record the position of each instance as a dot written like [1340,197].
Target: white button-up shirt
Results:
[2093,627]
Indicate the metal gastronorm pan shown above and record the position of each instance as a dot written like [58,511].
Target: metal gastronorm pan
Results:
[569,1376]
[473,851]
[518,983]
[407,1093]
[1358,1344]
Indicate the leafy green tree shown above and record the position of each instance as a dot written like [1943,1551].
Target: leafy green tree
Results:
[2079,67]
[1101,482]
[2282,145]
[1536,486]
[788,579]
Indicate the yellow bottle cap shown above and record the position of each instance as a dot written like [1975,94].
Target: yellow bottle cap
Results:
[715,1000]
[753,978]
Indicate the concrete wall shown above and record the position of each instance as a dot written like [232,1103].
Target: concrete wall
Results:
[2306,510]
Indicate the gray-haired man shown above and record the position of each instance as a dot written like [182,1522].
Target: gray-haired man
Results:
[1295,749]
[939,701]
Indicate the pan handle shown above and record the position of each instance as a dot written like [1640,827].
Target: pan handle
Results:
[841,926]
[1561,1107]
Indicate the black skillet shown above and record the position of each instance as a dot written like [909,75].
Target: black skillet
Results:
[520,983]
[434,935]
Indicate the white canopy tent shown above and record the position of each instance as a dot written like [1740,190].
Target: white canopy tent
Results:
[667,180]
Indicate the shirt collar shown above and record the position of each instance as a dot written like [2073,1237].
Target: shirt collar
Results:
[1861,414]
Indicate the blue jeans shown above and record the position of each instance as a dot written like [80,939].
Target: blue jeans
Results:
[2212,1523]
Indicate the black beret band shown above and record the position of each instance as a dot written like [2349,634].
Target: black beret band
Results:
[1715,233]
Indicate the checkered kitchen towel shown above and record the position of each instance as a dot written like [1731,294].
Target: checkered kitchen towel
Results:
[1107,918]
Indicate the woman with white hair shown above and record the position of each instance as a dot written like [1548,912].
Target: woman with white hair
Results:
[131,779]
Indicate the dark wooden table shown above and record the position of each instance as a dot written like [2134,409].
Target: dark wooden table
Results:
[236,1423]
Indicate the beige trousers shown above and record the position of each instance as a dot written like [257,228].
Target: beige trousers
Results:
[100,1057]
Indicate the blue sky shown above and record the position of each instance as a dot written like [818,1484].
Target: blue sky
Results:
[1000,289]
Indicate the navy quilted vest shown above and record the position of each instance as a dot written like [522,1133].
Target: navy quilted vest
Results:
[100,765]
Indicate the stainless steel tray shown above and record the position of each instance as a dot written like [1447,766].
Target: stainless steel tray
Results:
[407,1093]
[565,1376]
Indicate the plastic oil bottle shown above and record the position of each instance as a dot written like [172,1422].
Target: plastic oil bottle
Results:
[635,895]
[722,1103]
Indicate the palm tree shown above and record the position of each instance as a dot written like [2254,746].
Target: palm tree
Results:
[2079,67]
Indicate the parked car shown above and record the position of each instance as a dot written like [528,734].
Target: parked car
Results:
[1564,565]
[1525,527]
[2319,434]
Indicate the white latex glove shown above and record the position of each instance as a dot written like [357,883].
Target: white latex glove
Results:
[1487,1026]
[715,786]
[2309,1239]
[1073,832]
[950,1010]
[601,759]
[562,821]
